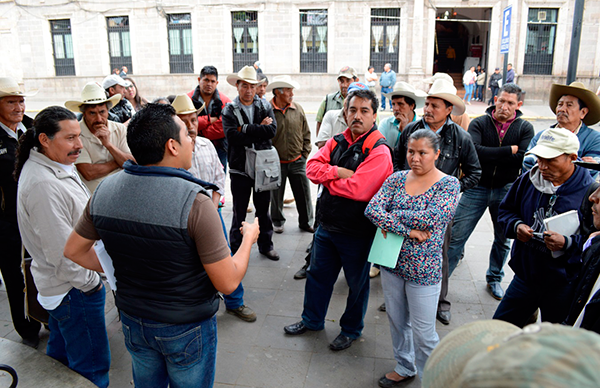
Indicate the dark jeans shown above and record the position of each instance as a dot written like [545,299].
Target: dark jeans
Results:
[241,188]
[10,265]
[331,252]
[494,91]
[296,173]
[522,299]
[479,93]
[78,336]
[444,304]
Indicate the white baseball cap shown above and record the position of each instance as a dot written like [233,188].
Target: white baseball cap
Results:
[554,142]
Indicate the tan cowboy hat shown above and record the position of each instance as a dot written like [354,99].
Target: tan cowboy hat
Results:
[92,94]
[246,74]
[445,90]
[183,105]
[577,89]
[10,87]
[283,81]
[407,90]
[437,76]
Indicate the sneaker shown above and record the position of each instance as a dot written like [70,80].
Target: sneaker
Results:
[278,229]
[244,313]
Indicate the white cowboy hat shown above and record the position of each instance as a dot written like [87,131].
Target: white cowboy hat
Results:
[10,87]
[246,74]
[283,81]
[407,90]
[577,89]
[445,90]
[437,76]
[183,105]
[92,94]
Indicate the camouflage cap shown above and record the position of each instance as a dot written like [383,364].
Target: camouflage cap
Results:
[541,355]
[347,72]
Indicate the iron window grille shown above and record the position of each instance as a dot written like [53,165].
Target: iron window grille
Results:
[385,37]
[62,42]
[119,42]
[313,41]
[541,38]
[244,25]
[179,27]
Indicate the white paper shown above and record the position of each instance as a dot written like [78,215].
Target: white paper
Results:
[566,224]
[107,264]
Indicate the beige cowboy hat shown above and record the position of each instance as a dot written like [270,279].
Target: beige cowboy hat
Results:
[407,90]
[246,74]
[10,87]
[183,105]
[92,94]
[282,81]
[437,76]
[445,90]
[577,89]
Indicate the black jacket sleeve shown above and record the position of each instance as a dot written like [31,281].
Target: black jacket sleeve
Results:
[469,163]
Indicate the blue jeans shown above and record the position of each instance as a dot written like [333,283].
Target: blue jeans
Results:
[174,355]
[236,298]
[471,207]
[78,336]
[479,92]
[385,89]
[411,310]
[468,92]
[522,299]
[331,252]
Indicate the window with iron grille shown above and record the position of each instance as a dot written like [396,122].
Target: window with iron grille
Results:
[541,37]
[118,42]
[385,39]
[179,27]
[244,26]
[313,41]
[62,42]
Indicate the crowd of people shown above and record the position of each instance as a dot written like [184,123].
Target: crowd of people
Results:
[113,184]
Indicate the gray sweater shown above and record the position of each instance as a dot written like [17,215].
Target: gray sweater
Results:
[49,203]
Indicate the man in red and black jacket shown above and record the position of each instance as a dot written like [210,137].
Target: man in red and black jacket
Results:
[210,125]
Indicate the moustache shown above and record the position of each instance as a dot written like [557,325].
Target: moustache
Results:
[75,152]
[356,122]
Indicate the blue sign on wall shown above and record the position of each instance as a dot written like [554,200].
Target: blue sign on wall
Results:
[505,41]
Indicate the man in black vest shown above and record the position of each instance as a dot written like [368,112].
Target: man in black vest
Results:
[13,123]
[351,175]
[248,122]
[168,268]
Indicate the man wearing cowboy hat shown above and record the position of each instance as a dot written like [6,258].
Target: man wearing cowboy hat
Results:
[248,121]
[458,157]
[14,123]
[335,100]
[545,263]
[462,120]
[292,142]
[576,107]
[501,138]
[104,141]
[404,99]
[207,167]
[114,85]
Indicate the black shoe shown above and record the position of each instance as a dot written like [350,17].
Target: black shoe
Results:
[341,342]
[444,317]
[307,228]
[384,382]
[295,329]
[382,307]
[271,255]
[32,342]
[301,274]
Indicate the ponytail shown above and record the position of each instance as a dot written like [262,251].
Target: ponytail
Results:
[26,143]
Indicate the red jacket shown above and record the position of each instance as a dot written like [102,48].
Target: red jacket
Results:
[211,131]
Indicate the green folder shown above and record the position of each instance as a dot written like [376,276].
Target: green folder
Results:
[385,251]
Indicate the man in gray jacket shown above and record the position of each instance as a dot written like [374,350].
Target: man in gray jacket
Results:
[50,199]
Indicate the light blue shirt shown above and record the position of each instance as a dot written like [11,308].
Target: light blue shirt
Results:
[390,129]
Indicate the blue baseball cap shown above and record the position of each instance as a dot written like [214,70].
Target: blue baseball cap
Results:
[357,86]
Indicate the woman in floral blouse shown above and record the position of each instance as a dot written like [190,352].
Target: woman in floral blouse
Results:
[417,204]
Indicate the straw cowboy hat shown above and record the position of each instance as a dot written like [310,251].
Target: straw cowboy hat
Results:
[246,74]
[407,90]
[577,89]
[183,105]
[283,81]
[92,94]
[10,87]
[445,90]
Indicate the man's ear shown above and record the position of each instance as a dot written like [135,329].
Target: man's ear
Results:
[172,147]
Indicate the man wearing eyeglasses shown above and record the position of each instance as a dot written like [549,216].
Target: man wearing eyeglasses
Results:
[545,262]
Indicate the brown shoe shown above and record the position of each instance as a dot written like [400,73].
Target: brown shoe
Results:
[244,313]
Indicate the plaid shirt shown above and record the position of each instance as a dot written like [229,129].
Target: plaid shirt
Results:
[206,164]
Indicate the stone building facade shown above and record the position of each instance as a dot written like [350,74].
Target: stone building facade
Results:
[58,46]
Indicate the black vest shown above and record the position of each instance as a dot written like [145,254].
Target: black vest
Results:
[142,218]
[344,215]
